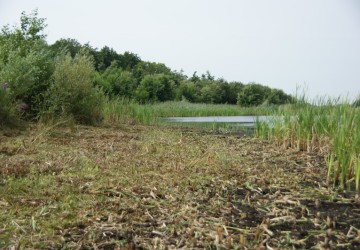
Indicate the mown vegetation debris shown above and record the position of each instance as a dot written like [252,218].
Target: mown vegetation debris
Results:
[164,188]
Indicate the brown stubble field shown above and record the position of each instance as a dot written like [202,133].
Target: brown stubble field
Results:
[143,187]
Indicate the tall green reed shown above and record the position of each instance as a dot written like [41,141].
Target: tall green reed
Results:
[120,110]
[329,126]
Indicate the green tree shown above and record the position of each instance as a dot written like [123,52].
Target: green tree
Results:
[203,92]
[25,62]
[153,88]
[194,78]
[208,93]
[99,81]
[150,68]
[61,46]
[234,89]
[72,93]
[253,94]
[105,57]
[129,60]
[223,91]
[125,85]
[277,96]
[210,90]
[22,38]
[214,91]
[207,76]
[28,77]
[122,82]
[187,90]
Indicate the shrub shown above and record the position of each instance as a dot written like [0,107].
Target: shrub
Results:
[278,97]
[187,90]
[8,114]
[72,93]
[253,95]
[153,88]
[25,62]
[28,78]
[122,82]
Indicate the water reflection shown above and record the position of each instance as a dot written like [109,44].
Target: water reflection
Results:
[224,119]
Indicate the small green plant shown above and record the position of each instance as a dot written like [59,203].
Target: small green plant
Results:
[329,162]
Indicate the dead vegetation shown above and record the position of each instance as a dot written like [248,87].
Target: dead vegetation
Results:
[157,188]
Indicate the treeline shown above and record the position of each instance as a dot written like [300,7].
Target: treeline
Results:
[39,80]
[128,76]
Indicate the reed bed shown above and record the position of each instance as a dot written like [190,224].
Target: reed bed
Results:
[330,127]
[128,111]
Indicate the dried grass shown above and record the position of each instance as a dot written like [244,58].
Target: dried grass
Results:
[159,188]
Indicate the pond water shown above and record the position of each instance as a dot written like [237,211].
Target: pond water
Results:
[229,121]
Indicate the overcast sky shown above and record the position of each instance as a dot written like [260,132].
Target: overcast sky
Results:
[279,43]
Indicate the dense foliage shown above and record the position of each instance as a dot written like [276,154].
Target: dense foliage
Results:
[357,102]
[72,93]
[42,79]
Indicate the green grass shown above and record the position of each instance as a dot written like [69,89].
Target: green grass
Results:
[327,126]
[127,111]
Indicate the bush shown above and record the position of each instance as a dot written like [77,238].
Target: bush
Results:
[25,63]
[187,90]
[72,93]
[153,88]
[121,82]
[253,95]
[8,115]
[28,78]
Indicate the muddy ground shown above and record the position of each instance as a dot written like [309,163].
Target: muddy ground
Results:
[134,187]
